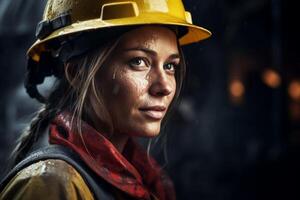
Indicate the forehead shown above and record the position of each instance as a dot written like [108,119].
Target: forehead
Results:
[151,37]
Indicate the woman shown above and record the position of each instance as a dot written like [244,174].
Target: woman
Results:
[117,78]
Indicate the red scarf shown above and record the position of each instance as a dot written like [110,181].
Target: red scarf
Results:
[131,172]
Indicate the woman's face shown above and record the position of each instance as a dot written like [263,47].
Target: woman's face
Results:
[137,82]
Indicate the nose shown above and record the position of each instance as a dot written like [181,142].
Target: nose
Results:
[161,84]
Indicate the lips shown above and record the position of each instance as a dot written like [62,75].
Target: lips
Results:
[154,112]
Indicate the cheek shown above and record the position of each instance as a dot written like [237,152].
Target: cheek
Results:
[130,95]
[128,89]
[130,84]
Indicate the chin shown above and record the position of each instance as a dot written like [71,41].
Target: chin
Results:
[149,130]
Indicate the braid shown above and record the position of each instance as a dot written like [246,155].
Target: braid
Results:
[30,135]
[39,123]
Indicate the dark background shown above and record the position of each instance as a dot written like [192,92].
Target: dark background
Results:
[236,133]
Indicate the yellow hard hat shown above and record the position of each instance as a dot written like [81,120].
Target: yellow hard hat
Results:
[66,17]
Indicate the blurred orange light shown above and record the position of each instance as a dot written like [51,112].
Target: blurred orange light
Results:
[294,90]
[236,88]
[271,78]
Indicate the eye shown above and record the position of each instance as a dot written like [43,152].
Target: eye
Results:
[138,62]
[171,67]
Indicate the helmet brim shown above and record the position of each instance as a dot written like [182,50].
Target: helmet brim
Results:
[193,34]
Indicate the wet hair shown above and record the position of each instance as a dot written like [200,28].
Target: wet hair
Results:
[76,92]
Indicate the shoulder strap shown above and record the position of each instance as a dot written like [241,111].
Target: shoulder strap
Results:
[99,188]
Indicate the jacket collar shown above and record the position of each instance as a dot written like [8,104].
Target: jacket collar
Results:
[132,172]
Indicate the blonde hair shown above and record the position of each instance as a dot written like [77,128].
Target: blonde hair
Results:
[83,82]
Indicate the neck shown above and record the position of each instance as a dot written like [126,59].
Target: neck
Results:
[119,141]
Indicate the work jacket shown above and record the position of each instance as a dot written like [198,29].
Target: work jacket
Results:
[93,168]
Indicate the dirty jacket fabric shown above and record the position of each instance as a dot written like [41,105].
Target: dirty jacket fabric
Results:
[130,175]
[48,180]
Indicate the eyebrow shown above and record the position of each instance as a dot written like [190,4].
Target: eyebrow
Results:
[151,52]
